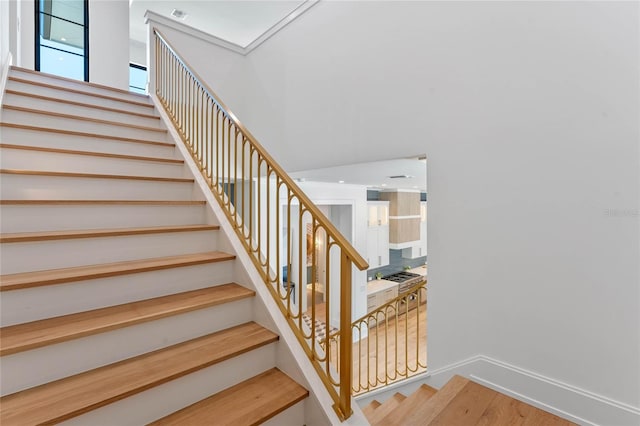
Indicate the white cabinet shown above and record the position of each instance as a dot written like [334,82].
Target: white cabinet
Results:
[420,249]
[378,213]
[380,292]
[378,234]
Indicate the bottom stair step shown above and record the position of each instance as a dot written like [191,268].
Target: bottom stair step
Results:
[386,407]
[66,398]
[406,408]
[251,402]
[370,408]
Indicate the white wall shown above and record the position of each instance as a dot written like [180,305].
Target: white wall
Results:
[137,52]
[109,43]
[528,112]
[221,69]
[4,33]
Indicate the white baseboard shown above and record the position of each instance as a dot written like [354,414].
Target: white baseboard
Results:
[564,400]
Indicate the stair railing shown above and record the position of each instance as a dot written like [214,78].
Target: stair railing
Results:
[390,342]
[295,248]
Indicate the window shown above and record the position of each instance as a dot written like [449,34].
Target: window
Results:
[137,78]
[62,38]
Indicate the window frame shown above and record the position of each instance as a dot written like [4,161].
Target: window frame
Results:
[86,36]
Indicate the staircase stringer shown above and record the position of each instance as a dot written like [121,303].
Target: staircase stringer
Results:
[291,358]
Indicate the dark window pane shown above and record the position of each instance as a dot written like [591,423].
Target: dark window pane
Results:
[61,31]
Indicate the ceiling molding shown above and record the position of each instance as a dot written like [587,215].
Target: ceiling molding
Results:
[151,16]
[280,25]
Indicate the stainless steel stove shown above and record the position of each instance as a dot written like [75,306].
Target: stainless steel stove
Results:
[405,280]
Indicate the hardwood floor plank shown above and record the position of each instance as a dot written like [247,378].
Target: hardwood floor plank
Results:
[424,412]
[399,415]
[370,408]
[386,407]
[466,407]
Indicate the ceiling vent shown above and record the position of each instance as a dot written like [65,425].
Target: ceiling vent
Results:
[400,177]
[179,14]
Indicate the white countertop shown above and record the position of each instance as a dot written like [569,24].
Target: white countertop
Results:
[375,286]
[421,270]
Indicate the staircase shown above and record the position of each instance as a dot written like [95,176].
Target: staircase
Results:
[118,300]
[459,402]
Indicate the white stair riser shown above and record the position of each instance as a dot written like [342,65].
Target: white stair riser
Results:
[292,416]
[24,137]
[44,255]
[22,187]
[41,365]
[75,85]
[31,304]
[20,218]
[79,125]
[62,162]
[83,111]
[167,398]
[76,97]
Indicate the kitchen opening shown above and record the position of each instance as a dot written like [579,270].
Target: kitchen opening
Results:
[381,208]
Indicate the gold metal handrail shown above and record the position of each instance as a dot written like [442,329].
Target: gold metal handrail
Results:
[390,342]
[270,215]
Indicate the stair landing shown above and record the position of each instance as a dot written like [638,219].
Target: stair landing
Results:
[462,402]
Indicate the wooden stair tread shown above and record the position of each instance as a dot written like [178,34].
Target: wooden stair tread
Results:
[251,402]
[84,134]
[402,411]
[104,202]
[370,408]
[82,118]
[31,335]
[66,398]
[21,237]
[91,153]
[462,401]
[80,82]
[81,104]
[386,407]
[80,92]
[93,175]
[78,273]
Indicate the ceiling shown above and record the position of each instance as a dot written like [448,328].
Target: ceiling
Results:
[236,21]
[374,175]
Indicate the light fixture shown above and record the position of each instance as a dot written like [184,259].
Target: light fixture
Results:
[384,184]
[340,181]
[63,39]
[400,177]
[179,14]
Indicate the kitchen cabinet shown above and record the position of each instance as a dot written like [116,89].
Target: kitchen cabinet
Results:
[420,249]
[380,292]
[378,213]
[378,234]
